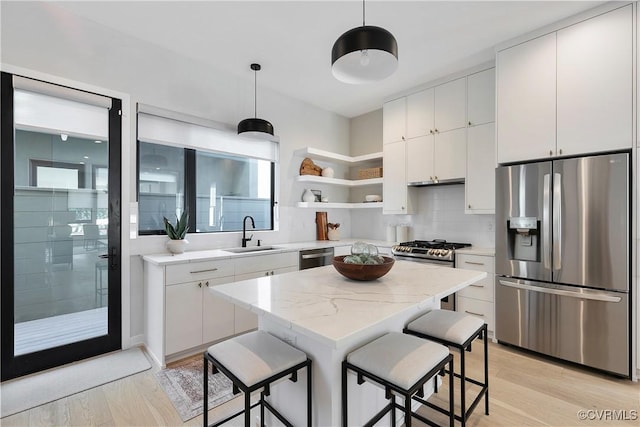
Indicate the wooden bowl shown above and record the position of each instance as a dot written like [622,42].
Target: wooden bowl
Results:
[362,271]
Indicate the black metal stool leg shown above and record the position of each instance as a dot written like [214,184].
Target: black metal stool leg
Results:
[463,418]
[407,410]
[344,395]
[247,409]
[309,388]
[205,392]
[452,415]
[486,372]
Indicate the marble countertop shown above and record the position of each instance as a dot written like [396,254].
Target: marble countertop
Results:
[205,255]
[322,304]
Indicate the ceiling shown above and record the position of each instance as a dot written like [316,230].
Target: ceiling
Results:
[293,39]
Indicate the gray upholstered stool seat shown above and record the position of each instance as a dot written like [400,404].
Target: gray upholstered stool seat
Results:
[399,360]
[447,325]
[254,361]
[256,356]
[402,364]
[456,330]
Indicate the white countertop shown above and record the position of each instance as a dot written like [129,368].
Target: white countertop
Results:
[206,255]
[322,304]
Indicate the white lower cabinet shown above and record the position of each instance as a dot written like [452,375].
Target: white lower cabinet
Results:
[478,299]
[182,315]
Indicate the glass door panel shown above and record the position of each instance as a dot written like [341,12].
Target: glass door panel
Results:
[60,233]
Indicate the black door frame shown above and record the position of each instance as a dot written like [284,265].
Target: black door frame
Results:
[16,366]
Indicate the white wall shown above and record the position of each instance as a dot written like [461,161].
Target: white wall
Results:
[41,39]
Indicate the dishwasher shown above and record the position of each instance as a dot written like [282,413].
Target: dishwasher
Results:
[311,258]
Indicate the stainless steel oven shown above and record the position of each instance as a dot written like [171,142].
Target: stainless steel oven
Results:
[439,252]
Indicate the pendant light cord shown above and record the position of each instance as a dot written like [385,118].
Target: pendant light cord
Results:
[363,13]
[255,93]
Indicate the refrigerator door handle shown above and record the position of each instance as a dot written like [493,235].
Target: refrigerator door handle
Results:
[590,295]
[546,222]
[557,221]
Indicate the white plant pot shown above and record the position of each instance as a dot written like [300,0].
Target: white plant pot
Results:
[176,246]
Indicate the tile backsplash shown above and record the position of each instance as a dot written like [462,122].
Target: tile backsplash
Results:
[440,215]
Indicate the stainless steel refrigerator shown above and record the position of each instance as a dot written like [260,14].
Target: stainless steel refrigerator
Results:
[563,259]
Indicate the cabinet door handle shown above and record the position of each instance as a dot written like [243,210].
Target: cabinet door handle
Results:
[469,206]
[561,151]
[207,283]
[477,286]
[199,284]
[204,271]
[473,262]
[469,123]
[403,137]
[436,130]
[551,152]
[266,273]
[475,314]
[431,131]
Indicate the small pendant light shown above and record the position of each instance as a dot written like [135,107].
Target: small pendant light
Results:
[255,124]
[364,54]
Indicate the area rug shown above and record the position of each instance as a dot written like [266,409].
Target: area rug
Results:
[183,385]
[34,390]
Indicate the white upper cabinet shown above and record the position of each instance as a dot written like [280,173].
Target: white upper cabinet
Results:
[450,154]
[569,92]
[526,92]
[420,159]
[481,97]
[480,181]
[396,196]
[595,84]
[420,113]
[394,120]
[450,101]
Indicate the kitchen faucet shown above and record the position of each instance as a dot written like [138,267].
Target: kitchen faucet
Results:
[244,230]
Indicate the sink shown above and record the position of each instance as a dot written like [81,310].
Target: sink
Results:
[251,249]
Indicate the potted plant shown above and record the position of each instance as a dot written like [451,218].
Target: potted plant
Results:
[177,233]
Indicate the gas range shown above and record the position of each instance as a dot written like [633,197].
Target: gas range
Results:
[435,250]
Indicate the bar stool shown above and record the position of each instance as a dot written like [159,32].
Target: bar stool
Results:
[254,361]
[456,330]
[402,364]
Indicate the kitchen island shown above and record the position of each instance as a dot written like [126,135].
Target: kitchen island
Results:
[327,316]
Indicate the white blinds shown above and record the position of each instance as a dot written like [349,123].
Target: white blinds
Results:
[48,108]
[169,131]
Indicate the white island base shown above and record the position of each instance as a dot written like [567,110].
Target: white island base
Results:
[327,316]
[364,400]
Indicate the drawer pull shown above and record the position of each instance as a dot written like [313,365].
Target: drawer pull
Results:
[207,283]
[475,314]
[477,286]
[474,263]
[204,271]
[200,284]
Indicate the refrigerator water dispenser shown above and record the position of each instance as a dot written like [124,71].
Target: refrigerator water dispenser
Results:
[524,242]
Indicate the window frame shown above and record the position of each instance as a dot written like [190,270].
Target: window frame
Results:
[189,181]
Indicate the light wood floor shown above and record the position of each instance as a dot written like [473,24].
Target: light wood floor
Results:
[524,391]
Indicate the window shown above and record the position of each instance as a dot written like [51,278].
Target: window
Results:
[228,188]
[217,176]
[160,185]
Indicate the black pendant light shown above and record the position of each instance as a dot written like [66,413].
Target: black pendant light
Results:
[364,54]
[255,124]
